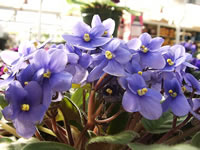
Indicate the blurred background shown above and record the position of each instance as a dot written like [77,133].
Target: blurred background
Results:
[177,21]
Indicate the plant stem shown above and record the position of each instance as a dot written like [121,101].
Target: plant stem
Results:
[168,134]
[69,132]
[84,100]
[178,138]
[9,129]
[174,121]
[108,119]
[136,117]
[38,135]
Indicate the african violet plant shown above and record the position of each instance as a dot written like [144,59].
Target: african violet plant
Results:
[100,92]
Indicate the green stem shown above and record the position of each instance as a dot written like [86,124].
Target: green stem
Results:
[9,129]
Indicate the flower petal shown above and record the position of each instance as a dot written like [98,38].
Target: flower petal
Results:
[156,43]
[97,31]
[112,45]
[153,60]
[150,108]
[109,25]
[114,68]
[136,82]
[180,106]
[85,60]
[145,39]
[134,44]
[122,55]
[61,81]
[80,28]
[96,20]
[130,102]
[47,93]
[9,56]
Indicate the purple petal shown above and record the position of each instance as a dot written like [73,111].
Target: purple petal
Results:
[58,61]
[150,108]
[97,31]
[154,94]
[196,104]
[9,112]
[99,41]
[85,60]
[130,102]
[7,81]
[172,84]
[9,56]
[72,39]
[112,45]
[153,60]
[97,72]
[73,58]
[166,104]
[36,113]
[134,44]
[122,55]
[180,106]
[41,59]
[80,29]
[155,43]
[178,50]
[96,20]
[123,82]
[61,81]
[24,128]
[114,68]
[145,39]
[135,82]
[109,25]
[47,93]
[34,93]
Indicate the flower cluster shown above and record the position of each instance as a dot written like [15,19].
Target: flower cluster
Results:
[152,76]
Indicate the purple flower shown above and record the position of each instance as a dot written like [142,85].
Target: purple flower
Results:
[25,108]
[108,24]
[149,50]
[110,60]
[191,83]
[85,37]
[139,98]
[175,101]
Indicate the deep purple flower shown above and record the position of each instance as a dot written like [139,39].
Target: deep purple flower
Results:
[149,50]
[110,60]
[175,101]
[108,24]
[85,37]
[25,108]
[139,98]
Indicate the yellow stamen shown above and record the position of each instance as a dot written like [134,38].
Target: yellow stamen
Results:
[108,55]
[86,37]
[25,107]
[144,49]
[47,74]
[140,72]
[170,91]
[26,83]
[109,91]
[142,92]
[170,62]
[5,69]
[174,94]
[35,44]
[183,88]
[105,33]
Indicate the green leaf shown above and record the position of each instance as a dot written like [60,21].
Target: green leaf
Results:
[196,140]
[47,146]
[3,102]
[71,111]
[134,146]
[5,140]
[118,124]
[162,125]
[17,145]
[77,97]
[121,138]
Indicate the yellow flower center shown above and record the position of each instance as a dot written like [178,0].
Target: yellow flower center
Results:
[172,93]
[183,88]
[142,92]
[86,37]
[35,44]
[108,55]
[25,107]
[109,91]
[105,33]
[140,72]
[170,62]
[144,49]
[5,69]
[47,74]
[26,83]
